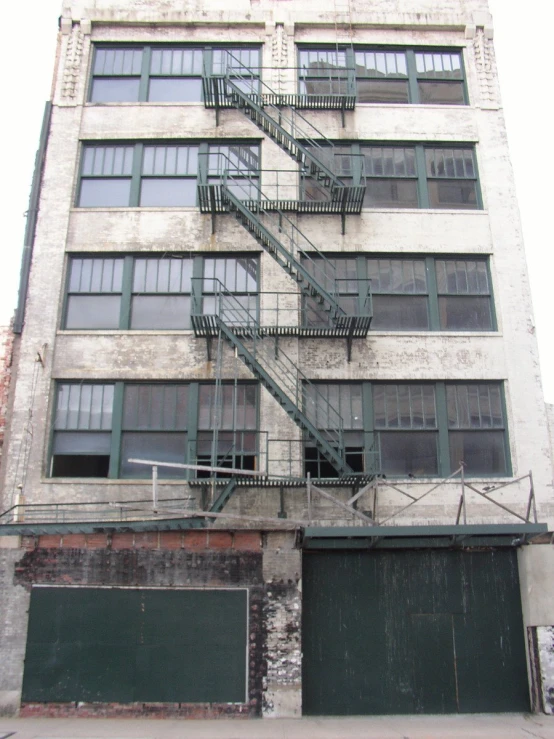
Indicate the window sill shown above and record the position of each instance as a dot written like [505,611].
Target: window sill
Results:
[136,208]
[125,332]
[464,334]
[443,211]
[107,481]
[431,106]
[145,103]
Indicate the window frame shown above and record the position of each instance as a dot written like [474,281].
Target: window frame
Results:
[118,429]
[432,294]
[413,77]
[146,75]
[197,293]
[372,431]
[359,172]
[137,176]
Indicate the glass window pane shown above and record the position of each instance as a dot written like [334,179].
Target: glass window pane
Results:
[441,93]
[382,91]
[105,193]
[175,89]
[160,312]
[79,442]
[400,313]
[93,312]
[465,313]
[155,446]
[173,192]
[483,452]
[381,193]
[115,90]
[455,194]
[408,453]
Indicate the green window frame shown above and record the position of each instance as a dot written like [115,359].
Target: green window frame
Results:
[99,426]
[406,175]
[412,292]
[385,75]
[164,73]
[155,291]
[416,430]
[159,174]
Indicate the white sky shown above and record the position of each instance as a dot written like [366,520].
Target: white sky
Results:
[523,48]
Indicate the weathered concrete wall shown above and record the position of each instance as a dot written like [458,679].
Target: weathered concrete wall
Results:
[14,605]
[267,564]
[6,355]
[508,355]
[536,565]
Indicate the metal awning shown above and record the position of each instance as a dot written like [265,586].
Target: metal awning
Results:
[418,537]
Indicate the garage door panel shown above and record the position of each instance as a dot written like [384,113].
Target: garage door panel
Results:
[376,641]
[434,676]
[125,645]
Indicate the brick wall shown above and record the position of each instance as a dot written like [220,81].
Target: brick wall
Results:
[265,563]
[6,352]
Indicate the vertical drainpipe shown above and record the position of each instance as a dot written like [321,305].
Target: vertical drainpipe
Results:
[31,224]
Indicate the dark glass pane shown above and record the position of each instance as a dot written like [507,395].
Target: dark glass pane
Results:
[465,313]
[408,453]
[483,452]
[382,91]
[441,93]
[80,465]
[175,89]
[452,194]
[168,192]
[105,193]
[400,313]
[160,312]
[391,194]
[77,442]
[155,446]
[93,311]
[115,91]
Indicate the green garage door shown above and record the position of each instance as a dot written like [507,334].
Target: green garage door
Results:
[422,631]
[125,645]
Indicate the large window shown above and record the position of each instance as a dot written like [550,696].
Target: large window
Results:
[406,175]
[413,429]
[411,293]
[99,427]
[156,292]
[157,174]
[420,176]
[161,74]
[381,75]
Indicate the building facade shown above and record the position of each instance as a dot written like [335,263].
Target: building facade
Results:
[278,442]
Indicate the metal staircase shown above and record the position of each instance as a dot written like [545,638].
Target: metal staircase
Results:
[265,214]
[289,386]
[240,88]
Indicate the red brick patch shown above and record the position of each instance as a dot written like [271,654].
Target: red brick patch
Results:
[74,541]
[171,540]
[97,541]
[196,539]
[220,540]
[249,540]
[49,541]
[123,541]
[147,540]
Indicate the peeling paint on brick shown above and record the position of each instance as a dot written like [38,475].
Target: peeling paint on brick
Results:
[545,644]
